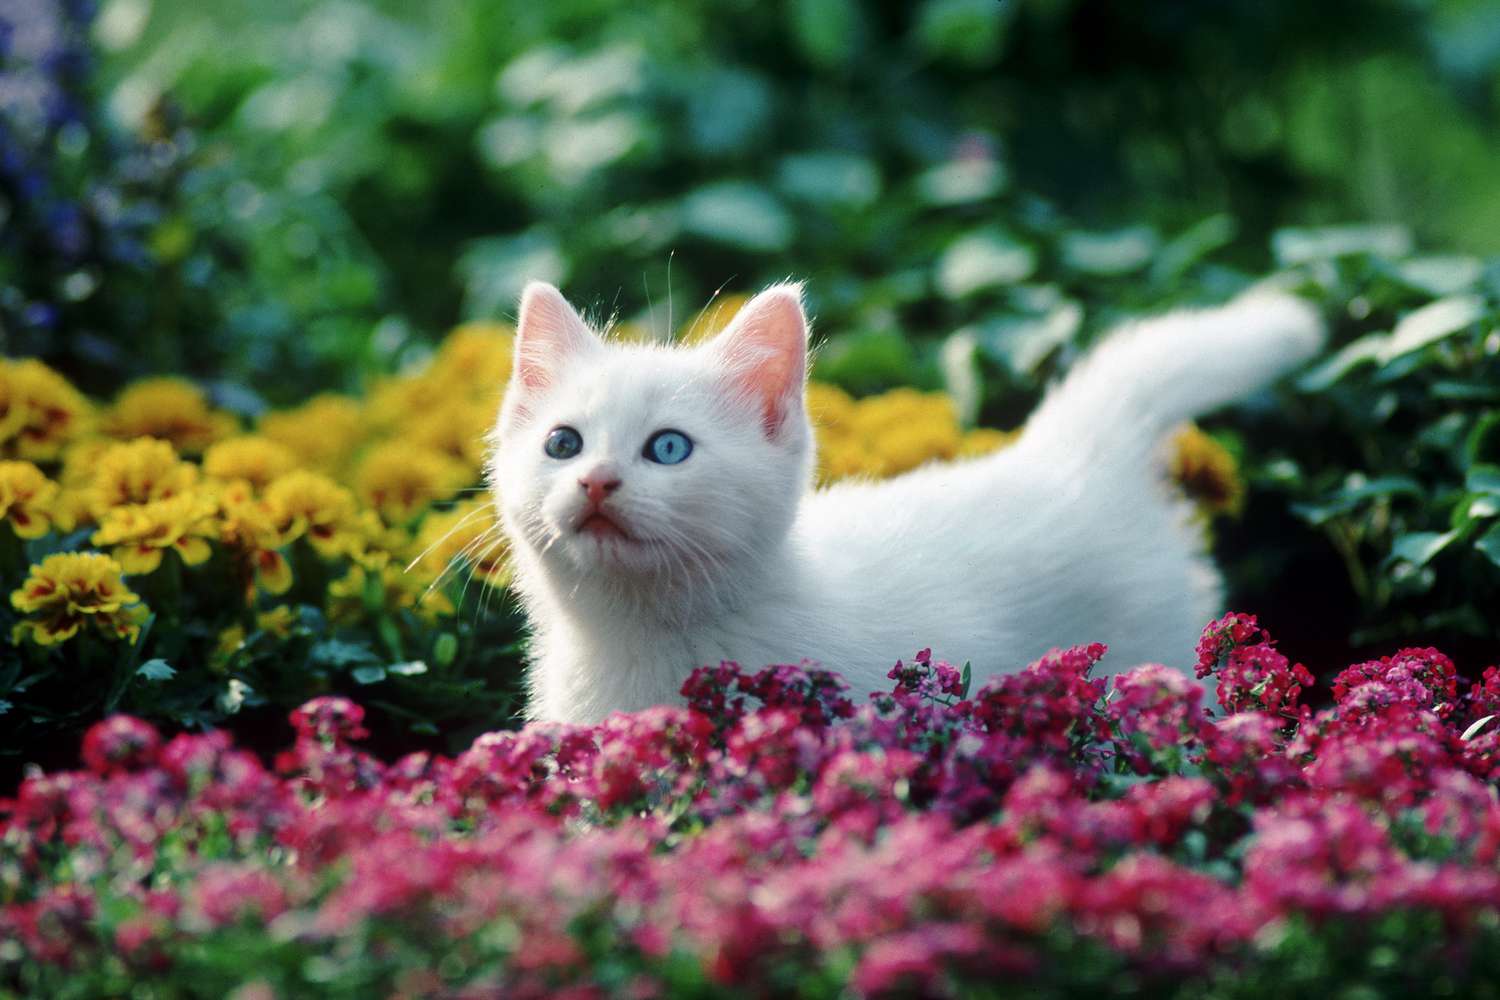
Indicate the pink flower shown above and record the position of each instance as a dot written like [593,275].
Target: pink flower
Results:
[330,719]
[1422,677]
[120,743]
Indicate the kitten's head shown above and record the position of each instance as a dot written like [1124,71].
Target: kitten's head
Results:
[652,464]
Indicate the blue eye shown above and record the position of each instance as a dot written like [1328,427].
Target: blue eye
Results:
[563,442]
[668,447]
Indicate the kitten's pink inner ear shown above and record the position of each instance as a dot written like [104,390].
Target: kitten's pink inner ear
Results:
[765,351]
[548,332]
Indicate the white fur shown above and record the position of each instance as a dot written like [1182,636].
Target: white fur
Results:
[1068,536]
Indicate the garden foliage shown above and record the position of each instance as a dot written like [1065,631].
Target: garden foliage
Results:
[1045,833]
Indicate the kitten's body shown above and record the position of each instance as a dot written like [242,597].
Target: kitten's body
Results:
[1069,535]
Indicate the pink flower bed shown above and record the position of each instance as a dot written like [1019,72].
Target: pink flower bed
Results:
[1047,832]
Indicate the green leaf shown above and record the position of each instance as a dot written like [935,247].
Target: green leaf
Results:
[445,649]
[1022,345]
[1445,275]
[368,675]
[337,653]
[1483,478]
[1352,494]
[156,670]
[739,214]
[838,179]
[411,668]
[961,376]
[1326,373]
[1118,252]
[1488,544]
[969,32]
[1432,323]
[1300,246]
[962,181]
[827,31]
[1190,246]
[1419,547]
[1474,728]
[982,260]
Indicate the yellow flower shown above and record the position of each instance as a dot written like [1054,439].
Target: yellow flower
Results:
[138,534]
[984,441]
[303,502]
[278,621]
[70,590]
[253,530]
[469,532]
[253,458]
[139,471]
[39,411]
[476,357]
[26,496]
[828,406]
[456,429]
[172,409]
[400,479]
[229,642]
[322,433]
[714,318]
[397,590]
[393,401]
[1207,472]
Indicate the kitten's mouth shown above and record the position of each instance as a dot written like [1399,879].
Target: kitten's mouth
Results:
[601,526]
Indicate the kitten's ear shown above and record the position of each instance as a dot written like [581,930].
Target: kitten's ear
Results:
[764,353]
[548,333]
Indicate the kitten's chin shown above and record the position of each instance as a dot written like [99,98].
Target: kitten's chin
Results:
[601,544]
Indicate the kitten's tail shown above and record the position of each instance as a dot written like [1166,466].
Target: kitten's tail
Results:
[1153,374]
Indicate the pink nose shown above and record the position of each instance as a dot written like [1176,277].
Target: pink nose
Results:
[598,485]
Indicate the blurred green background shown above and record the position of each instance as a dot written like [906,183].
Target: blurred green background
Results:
[346,180]
[283,197]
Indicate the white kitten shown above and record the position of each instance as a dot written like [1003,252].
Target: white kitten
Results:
[659,505]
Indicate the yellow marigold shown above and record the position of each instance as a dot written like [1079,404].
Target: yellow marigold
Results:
[714,318]
[476,356]
[278,621]
[40,412]
[828,406]
[392,588]
[457,429]
[26,498]
[253,530]
[469,533]
[70,590]
[138,534]
[139,471]
[72,507]
[304,502]
[322,433]
[984,440]
[230,641]
[172,409]
[400,479]
[905,428]
[255,459]
[392,402]
[1207,472]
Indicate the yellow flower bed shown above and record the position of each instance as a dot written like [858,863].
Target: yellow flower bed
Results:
[386,489]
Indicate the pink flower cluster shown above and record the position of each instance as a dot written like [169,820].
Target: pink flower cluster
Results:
[1048,830]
